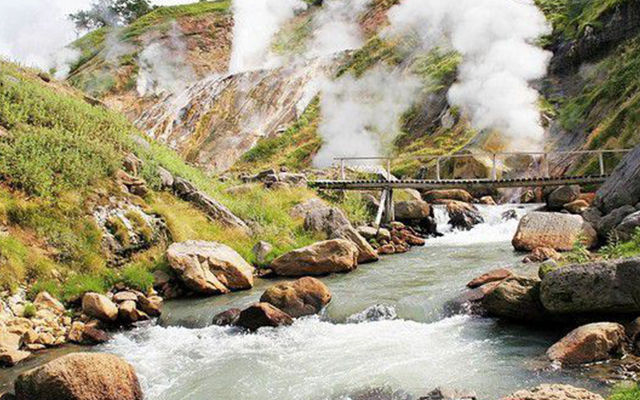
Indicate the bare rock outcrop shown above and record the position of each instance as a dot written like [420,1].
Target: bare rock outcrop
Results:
[554,392]
[80,376]
[305,296]
[589,343]
[553,230]
[322,258]
[209,267]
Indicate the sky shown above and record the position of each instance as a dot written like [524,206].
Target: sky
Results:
[32,31]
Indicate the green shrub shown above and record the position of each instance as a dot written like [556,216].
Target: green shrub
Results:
[29,310]
[50,286]
[137,276]
[76,286]
[626,392]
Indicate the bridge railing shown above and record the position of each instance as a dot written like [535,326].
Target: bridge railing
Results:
[543,160]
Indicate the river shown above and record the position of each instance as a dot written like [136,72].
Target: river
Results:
[383,329]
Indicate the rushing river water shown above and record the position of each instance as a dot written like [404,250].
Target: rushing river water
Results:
[384,328]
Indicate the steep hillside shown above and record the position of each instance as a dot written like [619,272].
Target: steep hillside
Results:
[84,200]
[252,120]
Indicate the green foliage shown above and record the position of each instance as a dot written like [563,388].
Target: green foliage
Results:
[137,276]
[119,230]
[294,148]
[579,254]
[437,68]
[29,310]
[626,392]
[76,286]
[354,207]
[374,52]
[293,38]
[617,249]
[103,13]
[45,285]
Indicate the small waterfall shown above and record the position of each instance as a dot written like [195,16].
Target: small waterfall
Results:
[496,228]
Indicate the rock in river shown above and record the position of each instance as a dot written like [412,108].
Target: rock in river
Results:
[554,392]
[599,287]
[100,307]
[554,230]
[209,267]
[263,314]
[516,298]
[322,258]
[305,296]
[80,376]
[588,343]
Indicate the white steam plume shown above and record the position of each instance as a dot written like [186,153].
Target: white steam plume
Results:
[336,27]
[163,66]
[63,60]
[500,60]
[255,24]
[361,116]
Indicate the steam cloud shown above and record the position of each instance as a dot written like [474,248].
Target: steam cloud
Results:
[336,27]
[360,117]
[256,22]
[496,40]
[163,67]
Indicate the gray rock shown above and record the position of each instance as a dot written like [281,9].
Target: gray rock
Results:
[261,250]
[623,186]
[166,179]
[561,196]
[412,210]
[613,219]
[325,220]
[602,287]
[593,216]
[516,298]
[554,230]
[214,209]
[627,228]
[366,253]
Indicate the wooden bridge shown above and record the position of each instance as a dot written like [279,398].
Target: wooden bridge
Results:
[543,174]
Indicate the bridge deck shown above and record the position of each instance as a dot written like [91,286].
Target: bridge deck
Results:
[456,183]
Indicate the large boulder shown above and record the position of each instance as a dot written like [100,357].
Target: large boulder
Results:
[209,267]
[554,392]
[623,186]
[261,315]
[99,306]
[305,296]
[610,221]
[554,230]
[627,228]
[516,298]
[588,343]
[412,210]
[561,196]
[599,287]
[366,253]
[322,258]
[80,376]
[463,215]
[325,220]
[433,196]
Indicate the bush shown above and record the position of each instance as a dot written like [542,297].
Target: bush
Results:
[137,276]
[631,392]
[29,310]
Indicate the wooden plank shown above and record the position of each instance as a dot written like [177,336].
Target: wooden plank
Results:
[383,201]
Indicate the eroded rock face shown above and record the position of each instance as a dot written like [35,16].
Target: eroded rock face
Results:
[366,253]
[322,258]
[588,343]
[305,296]
[412,210]
[627,228]
[554,392]
[516,298]
[210,267]
[561,196]
[599,287]
[263,315]
[553,230]
[100,307]
[451,194]
[623,186]
[80,376]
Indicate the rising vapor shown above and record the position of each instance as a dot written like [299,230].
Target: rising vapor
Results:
[496,39]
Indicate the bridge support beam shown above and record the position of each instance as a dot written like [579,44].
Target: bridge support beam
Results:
[389,210]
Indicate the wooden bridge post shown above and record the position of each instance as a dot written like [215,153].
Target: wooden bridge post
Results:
[389,169]
[601,160]
[342,174]
[494,168]
[438,168]
[389,211]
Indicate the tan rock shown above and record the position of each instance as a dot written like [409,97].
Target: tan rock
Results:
[11,358]
[125,296]
[322,258]
[554,392]
[80,376]
[9,340]
[553,230]
[210,267]
[491,276]
[452,194]
[128,312]
[412,210]
[100,307]
[30,337]
[151,305]
[541,254]
[46,301]
[305,296]
[76,331]
[46,314]
[576,206]
[387,249]
[366,253]
[487,200]
[588,343]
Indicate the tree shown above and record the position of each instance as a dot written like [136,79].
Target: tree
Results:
[110,13]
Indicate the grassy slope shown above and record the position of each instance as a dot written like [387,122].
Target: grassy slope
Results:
[57,161]
[96,75]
